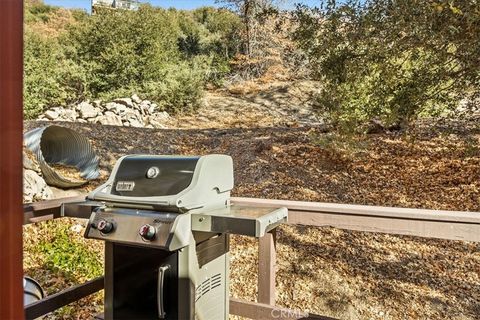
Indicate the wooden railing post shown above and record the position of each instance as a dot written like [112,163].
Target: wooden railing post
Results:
[266,268]
[11,136]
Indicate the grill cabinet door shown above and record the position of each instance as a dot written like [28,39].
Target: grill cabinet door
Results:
[132,280]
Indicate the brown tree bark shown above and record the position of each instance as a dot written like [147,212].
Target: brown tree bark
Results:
[246,15]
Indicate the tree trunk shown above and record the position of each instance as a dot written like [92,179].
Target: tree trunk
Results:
[246,12]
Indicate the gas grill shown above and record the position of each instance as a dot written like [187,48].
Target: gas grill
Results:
[166,222]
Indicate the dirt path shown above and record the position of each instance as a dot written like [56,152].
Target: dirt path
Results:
[254,105]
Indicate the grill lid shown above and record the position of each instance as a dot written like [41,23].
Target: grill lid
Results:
[150,176]
[173,183]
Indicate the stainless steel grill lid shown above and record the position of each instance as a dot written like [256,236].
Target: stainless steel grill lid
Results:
[173,183]
[150,176]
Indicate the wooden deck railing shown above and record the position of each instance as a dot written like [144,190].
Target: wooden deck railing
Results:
[452,225]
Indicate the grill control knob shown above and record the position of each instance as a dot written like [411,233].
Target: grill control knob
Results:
[147,232]
[105,226]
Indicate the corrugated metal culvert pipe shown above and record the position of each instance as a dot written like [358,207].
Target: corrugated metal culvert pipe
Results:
[66,157]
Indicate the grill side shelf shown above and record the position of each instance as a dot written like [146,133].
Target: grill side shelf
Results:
[248,221]
[80,209]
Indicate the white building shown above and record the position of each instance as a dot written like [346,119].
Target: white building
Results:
[116,4]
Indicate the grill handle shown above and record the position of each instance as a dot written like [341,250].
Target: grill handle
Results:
[161,281]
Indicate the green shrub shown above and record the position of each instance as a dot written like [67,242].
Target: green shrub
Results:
[49,78]
[163,55]
[223,36]
[391,60]
[37,11]
[122,49]
[63,253]
[180,89]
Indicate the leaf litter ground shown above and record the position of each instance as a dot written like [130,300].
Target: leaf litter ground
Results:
[344,274]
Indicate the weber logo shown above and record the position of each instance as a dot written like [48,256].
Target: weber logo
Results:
[125,186]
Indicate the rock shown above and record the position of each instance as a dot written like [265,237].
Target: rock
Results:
[127,102]
[60,193]
[145,107]
[51,115]
[157,125]
[86,110]
[135,123]
[152,108]
[132,111]
[30,161]
[69,115]
[110,105]
[58,110]
[136,98]
[120,109]
[132,114]
[144,111]
[161,115]
[148,120]
[34,187]
[164,114]
[110,119]
[97,103]
[157,120]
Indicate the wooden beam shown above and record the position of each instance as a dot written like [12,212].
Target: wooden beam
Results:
[62,298]
[261,311]
[421,228]
[11,137]
[363,210]
[46,210]
[453,225]
[266,268]
[51,204]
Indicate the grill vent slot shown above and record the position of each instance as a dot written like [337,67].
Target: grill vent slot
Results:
[216,281]
[207,285]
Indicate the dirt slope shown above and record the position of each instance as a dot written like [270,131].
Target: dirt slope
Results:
[254,104]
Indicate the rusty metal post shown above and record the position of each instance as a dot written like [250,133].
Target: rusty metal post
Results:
[11,105]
